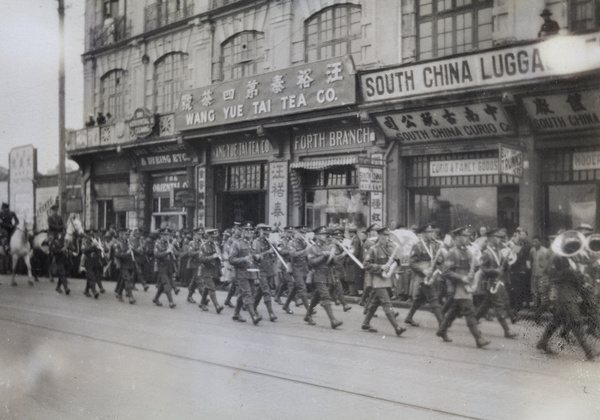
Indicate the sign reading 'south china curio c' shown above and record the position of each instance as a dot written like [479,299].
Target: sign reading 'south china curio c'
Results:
[307,87]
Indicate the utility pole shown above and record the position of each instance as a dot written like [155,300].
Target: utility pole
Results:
[61,110]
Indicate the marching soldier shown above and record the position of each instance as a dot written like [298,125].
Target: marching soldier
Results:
[376,258]
[494,266]
[337,269]
[210,269]
[194,264]
[58,250]
[137,244]
[264,255]
[246,273]
[459,267]
[368,284]
[286,281]
[92,252]
[320,256]
[236,234]
[352,270]
[55,223]
[125,256]
[424,261]
[163,259]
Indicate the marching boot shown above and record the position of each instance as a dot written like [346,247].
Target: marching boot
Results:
[269,305]
[366,325]
[256,318]
[479,340]
[365,296]
[204,300]
[334,322]
[390,316]
[313,302]
[279,292]
[257,298]
[230,293]
[290,298]
[190,299]
[409,318]
[437,311]
[170,298]
[158,293]
[213,297]
[236,312]
[443,331]
[507,332]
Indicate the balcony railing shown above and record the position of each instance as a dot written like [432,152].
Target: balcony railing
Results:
[166,12]
[215,4]
[114,134]
[111,31]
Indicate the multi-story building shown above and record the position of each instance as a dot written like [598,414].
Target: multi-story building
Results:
[320,111]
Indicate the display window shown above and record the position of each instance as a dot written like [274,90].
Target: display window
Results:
[164,213]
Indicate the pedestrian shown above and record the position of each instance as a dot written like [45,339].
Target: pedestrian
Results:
[459,267]
[549,27]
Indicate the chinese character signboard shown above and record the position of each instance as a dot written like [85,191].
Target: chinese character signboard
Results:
[201,220]
[565,111]
[303,88]
[23,164]
[511,161]
[278,188]
[184,197]
[472,121]
[370,178]
[376,207]
[554,56]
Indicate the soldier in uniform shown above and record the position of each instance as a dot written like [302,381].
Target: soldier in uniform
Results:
[124,254]
[493,266]
[298,252]
[352,270]
[236,234]
[266,260]
[320,257]
[377,256]
[163,259]
[148,266]
[424,260]
[8,223]
[459,268]
[368,284]
[286,281]
[55,223]
[58,250]
[92,253]
[193,263]
[210,269]
[241,258]
[137,244]
[337,269]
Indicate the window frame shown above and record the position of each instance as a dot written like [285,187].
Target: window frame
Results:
[175,83]
[250,66]
[594,18]
[117,96]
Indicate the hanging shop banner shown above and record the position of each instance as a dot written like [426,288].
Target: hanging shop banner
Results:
[583,161]
[566,111]
[307,87]
[370,178]
[472,121]
[319,141]
[124,203]
[22,169]
[511,160]
[488,166]
[163,157]
[278,192]
[251,149]
[201,217]
[560,55]
[142,123]
[184,197]
[377,207]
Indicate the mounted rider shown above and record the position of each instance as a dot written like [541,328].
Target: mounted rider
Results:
[56,224]
[7,227]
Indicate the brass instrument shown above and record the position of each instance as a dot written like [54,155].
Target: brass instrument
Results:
[390,266]
[350,254]
[130,250]
[592,243]
[288,268]
[437,272]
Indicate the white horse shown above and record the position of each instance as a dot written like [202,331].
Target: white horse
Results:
[20,248]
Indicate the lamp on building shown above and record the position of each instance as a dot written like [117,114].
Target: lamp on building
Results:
[145,59]
[364,117]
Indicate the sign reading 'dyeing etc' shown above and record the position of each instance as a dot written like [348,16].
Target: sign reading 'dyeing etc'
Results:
[565,111]
[555,56]
[450,123]
[319,85]
[165,156]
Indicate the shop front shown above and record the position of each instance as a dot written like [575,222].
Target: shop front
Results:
[109,196]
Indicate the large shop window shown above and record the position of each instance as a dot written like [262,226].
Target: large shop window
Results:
[448,27]
[107,217]
[241,177]
[453,201]
[332,197]
[164,213]
[170,75]
[334,32]
[571,196]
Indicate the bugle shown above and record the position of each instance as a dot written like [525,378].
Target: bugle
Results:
[350,254]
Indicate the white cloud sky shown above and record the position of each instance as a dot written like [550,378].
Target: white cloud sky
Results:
[29,75]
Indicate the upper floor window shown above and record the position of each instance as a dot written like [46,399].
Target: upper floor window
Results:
[333,32]
[584,15]
[242,55]
[112,86]
[449,27]
[170,75]
[164,12]
[111,9]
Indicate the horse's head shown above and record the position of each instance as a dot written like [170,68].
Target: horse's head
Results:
[75,227]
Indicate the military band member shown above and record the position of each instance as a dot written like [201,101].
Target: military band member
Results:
[93,265]
[246,272]
[194,264]
[210,269]
[337,268]
[493,266]
[424,261]
[375,259]
[163,259]
[137,244]
[353,272]
[236,234]
[320,257]
[368,284]
[58,249]
[286,281]
[459,267]
[126,258]
[266,260]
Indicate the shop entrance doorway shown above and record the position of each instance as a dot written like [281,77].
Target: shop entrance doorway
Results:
[240,207]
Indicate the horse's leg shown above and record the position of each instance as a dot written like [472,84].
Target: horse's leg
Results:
[15,260]
[27,259]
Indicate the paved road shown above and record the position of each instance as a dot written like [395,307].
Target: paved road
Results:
[68,357]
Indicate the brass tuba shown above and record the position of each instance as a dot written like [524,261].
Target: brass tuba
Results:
[570,243]
[592,243]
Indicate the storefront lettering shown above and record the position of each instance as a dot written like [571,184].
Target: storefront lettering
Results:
[325,139]
[247,148]
[586,161]
[464,167]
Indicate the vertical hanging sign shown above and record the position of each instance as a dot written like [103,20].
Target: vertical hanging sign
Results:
[201,213]
[278,192]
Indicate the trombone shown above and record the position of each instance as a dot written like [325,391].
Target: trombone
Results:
[350,254]
[288,269]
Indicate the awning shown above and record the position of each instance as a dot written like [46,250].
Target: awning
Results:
[110,189]
[318,164]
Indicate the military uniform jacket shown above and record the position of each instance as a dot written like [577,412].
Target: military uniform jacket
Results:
[55,223]
[238,258]
[163,258]
[267,260]
[457,268]
[317,257]
[57,249]
[492,263]
[353,271]
[123,254]
[298,249]
[211,265]
[137,244]
[193,254]
[421,256]
[377,256]
[93,259]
